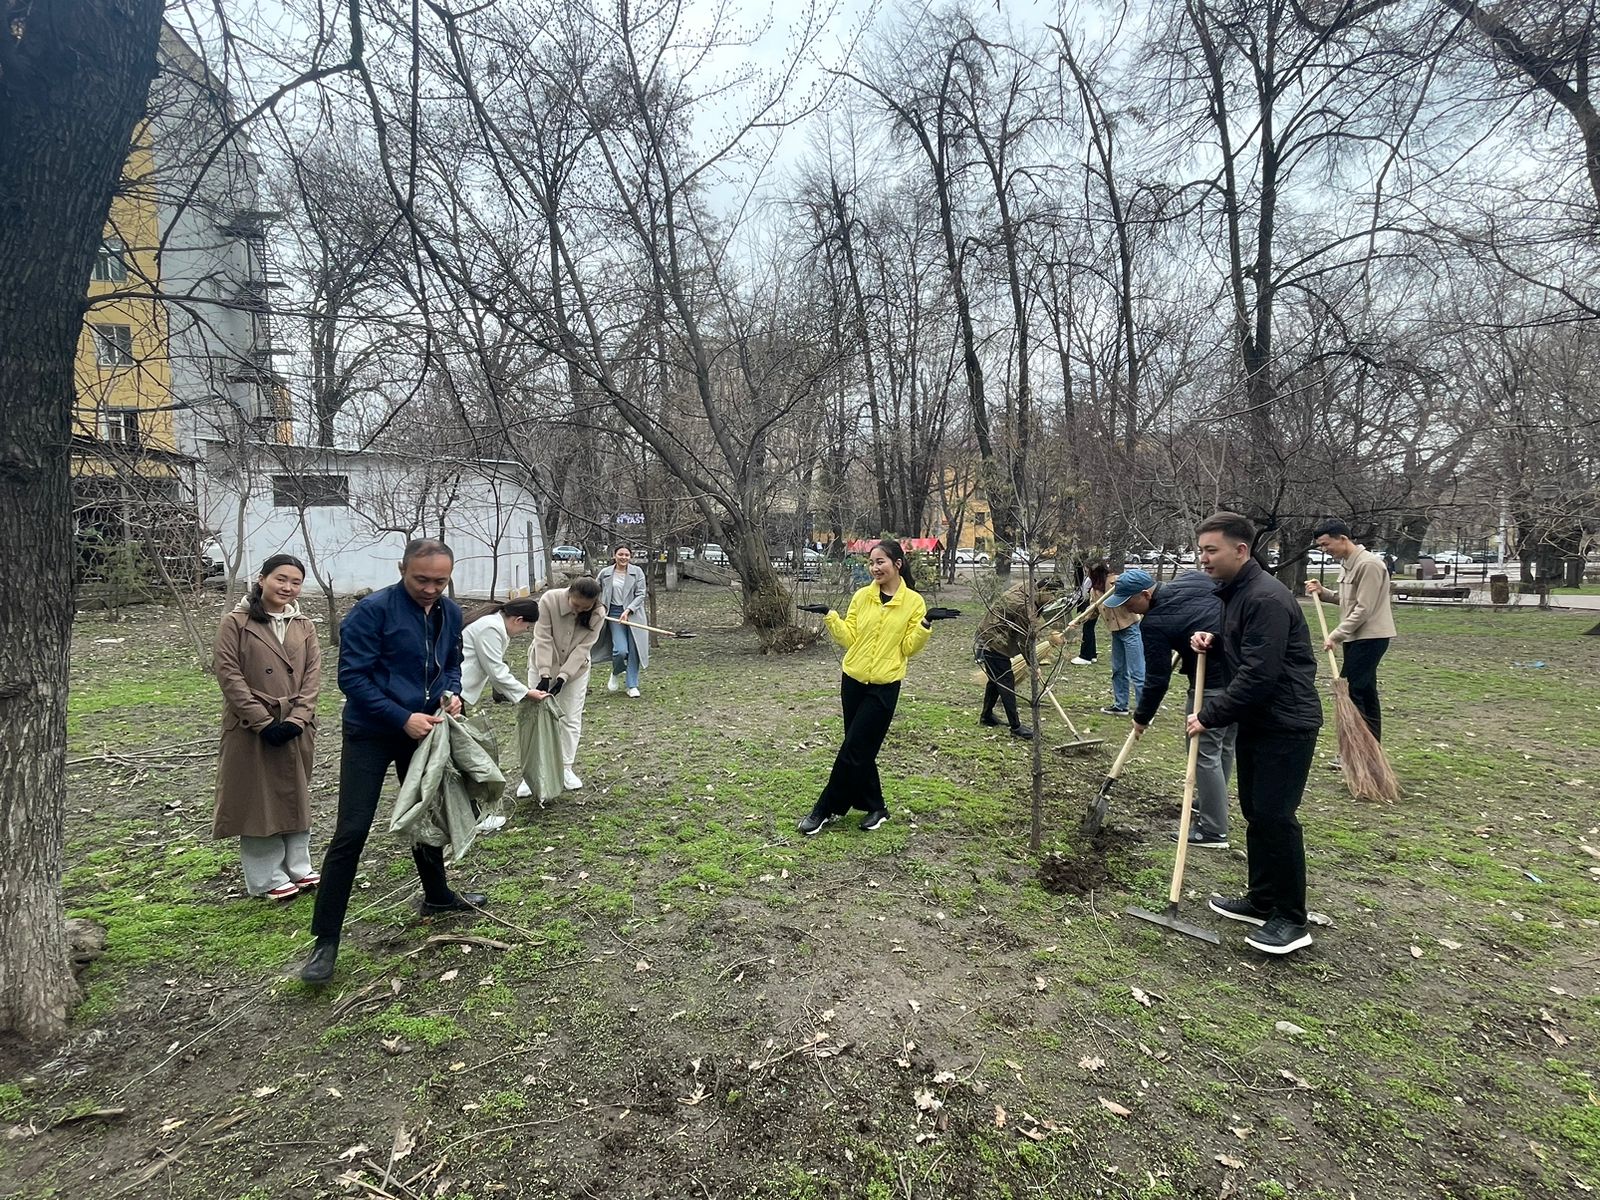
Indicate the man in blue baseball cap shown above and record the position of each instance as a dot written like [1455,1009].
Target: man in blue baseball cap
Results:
[1127,646]
[1173,613]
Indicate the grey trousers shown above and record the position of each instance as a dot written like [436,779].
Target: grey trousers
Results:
[270,862]
[1213,765]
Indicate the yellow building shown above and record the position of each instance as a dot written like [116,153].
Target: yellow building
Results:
[961,498]
[124,380]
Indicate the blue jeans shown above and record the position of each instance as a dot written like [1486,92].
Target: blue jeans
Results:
[624,654]
[1127,663]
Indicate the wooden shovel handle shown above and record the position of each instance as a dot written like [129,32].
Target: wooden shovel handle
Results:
[1126,752]
[1322,620]
[642,625]
[1176,891]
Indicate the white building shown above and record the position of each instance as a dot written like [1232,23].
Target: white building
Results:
[347,514]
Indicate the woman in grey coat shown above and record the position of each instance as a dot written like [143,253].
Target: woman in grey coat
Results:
[622,592]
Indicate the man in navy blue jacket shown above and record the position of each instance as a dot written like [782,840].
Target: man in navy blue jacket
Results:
[1174,612]
[1272,696]
[399,657]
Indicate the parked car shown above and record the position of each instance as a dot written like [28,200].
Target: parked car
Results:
[1454,558]
[1319,558]
[966,557]
[567,554]
[714,554]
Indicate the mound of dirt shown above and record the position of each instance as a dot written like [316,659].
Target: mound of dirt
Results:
[1088,870]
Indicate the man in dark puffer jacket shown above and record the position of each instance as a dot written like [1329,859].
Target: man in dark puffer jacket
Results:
[1272,697]
[1173,613]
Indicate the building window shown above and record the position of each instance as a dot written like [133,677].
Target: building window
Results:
[113,345]
[109,264]
[979,519]
[311,491]
[121,427]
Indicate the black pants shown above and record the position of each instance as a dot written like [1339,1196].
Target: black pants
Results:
[854,782]
[363,762]
[1272,767]
[1001,685]
[1361,673]
[1087,648]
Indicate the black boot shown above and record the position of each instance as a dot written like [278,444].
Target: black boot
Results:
[988,718]
[319,967]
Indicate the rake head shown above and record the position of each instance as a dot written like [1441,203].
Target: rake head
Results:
[1168,918]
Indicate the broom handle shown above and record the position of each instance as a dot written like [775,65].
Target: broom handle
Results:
[1188,784]
[642,625]
[1085,614]
[1333,663]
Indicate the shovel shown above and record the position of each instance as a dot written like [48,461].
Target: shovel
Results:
[671,633]
[1096,815]
[1168,917]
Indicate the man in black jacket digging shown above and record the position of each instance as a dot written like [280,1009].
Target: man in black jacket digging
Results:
[1272,696]
[1173,613]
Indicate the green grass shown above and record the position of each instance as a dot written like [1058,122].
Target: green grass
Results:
[669,913]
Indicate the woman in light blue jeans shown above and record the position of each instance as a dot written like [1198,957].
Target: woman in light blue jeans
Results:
[1127,666]
[622,591]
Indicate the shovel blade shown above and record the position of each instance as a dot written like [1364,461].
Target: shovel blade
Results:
[1168,918]
[1096,815]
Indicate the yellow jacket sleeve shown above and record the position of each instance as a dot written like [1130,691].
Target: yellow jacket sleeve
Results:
[916,634]
[844,628]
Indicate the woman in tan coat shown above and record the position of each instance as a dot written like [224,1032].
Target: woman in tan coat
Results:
[570,621]
[269,666]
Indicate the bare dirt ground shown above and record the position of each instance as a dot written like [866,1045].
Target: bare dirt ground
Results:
[673,994]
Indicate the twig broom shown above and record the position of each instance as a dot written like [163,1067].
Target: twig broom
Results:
[1366,768]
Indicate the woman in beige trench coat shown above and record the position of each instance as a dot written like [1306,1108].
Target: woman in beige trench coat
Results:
[269,666]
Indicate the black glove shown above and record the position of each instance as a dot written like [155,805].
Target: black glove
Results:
[555,688]
[821,610]
[543,685]
[280,733]
[942,614]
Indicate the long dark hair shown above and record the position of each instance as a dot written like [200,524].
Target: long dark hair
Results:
[1097,574]
[589,589]
[258,610]
[525,607]
[897,556]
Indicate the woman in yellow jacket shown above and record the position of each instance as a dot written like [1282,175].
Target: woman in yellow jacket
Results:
[887,623]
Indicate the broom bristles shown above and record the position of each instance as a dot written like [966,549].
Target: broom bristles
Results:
[1367,773]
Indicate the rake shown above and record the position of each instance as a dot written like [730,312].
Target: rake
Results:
[684,634]
[1168,917]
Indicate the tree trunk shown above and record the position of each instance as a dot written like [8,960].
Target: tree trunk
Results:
[73,80]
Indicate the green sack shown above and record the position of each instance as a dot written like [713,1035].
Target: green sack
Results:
[453,776]
[539,741]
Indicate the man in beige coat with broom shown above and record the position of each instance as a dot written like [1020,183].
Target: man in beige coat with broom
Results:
[1366,617]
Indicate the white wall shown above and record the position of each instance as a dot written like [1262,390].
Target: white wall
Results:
[485,519]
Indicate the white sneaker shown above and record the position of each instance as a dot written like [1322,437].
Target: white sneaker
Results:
[1080,661]
[569,780]
[523,790]
[612,684]
[634,692]
[492,824]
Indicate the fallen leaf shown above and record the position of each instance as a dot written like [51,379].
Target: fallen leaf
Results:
[1449,945]
[458,1066]
[945,1077]
[1233,1164]
[1242,1131]
[393,1045]
[449,975]
[404,1144]
[1091,1064]
[1039,984]
[1111,1106]
[1294,1079]
[915,1007]
[355,1152]
[926,1101]
[1031,1133]
[1142,996]
[336,1093]
[1289,1028]
[1416,952]
[640,967]
[261,1093]
[172,1123]
[999,1117]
